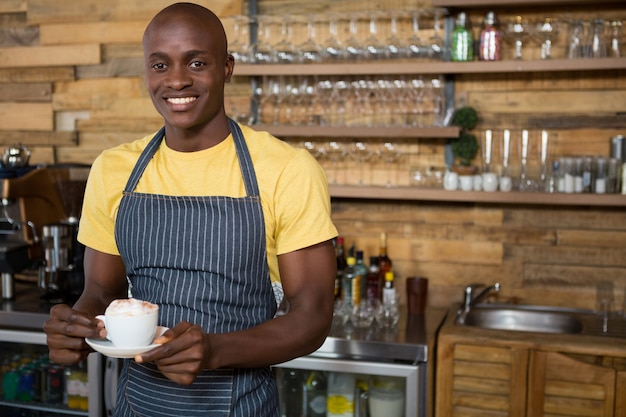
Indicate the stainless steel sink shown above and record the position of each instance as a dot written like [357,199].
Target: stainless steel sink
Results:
[542,319]
[521,319]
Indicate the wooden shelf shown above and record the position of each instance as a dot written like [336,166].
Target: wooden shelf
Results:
[433,67]
[429,194]
[360,132]
[512,3]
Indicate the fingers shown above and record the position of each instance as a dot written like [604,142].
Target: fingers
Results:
[181,356]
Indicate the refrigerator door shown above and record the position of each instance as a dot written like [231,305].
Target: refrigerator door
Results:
[414,377]
[23,355]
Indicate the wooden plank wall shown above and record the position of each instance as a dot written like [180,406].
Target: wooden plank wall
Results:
[71,85]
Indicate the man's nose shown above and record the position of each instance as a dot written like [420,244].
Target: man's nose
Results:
[179,78]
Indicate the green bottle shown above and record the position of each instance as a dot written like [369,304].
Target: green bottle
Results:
[462,45]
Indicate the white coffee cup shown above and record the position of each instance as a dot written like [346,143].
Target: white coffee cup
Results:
[490,181]
[130,322]
[451,181]
[467,182]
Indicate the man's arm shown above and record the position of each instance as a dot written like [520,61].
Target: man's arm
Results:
[67,328]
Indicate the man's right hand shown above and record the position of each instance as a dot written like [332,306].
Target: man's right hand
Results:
[66,331]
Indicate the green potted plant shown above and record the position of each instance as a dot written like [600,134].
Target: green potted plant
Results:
[465,147]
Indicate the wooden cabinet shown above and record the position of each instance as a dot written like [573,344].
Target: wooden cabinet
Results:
[517,381]
[475,380]
[560,385]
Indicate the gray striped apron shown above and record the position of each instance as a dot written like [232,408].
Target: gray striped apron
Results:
[202,260]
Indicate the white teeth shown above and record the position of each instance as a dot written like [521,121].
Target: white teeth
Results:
[182,100]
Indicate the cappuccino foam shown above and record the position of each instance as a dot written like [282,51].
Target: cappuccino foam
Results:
[130,307]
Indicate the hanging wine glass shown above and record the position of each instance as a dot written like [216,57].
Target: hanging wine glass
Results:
[332,48]
[314,148]
[389,153]
[268,101]
[335,152]
[284,51]
[239,47]
[546,33]
[355,50]
[262,51]
[374,46]
[309,50]
[362,154]
[517,33]
[435,43]
[416,46]
[396,46]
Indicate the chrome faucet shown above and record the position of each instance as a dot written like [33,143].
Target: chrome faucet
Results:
[470,299]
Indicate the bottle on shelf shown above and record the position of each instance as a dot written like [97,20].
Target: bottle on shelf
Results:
[490,46]
[384,262]
[292,393]
[373,283]
[351,288]
[315,394]
[389,290]
[389,313]
[361,269]
[340,254]
[462,47]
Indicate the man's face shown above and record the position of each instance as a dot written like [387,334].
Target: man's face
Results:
[186,68]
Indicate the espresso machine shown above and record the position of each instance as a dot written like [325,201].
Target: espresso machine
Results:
[41,206]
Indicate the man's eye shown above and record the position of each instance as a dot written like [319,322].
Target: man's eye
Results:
[159,66]
[196,64]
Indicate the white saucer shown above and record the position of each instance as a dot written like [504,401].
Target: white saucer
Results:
[106,347]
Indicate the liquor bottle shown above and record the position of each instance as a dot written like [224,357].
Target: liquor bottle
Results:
[389,290]
[373,287]
[384,262]
[315,392]
[341,265]
[490,46]
[292,393]
[362,270]
[351,288]
[462,48]
[390,314]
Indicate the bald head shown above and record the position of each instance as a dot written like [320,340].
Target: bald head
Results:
[192,17]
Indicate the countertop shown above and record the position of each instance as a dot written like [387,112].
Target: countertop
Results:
[411,341]
[575,343]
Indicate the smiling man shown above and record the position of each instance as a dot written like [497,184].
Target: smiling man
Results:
[215,223]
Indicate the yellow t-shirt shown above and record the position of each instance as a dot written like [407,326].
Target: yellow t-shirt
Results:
[293,187]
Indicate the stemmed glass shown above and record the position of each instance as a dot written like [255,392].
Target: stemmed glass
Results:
[546,32]
[362,154]
[285,51]
[416,104]
[435,42]
[309,50]
[416,46]
[396,47]
[316,151]
[333,48]
[263,53]
[374,46]
[336,152]
[389,153]
[240,45]
[517,32]
[268,101]
[355,50]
